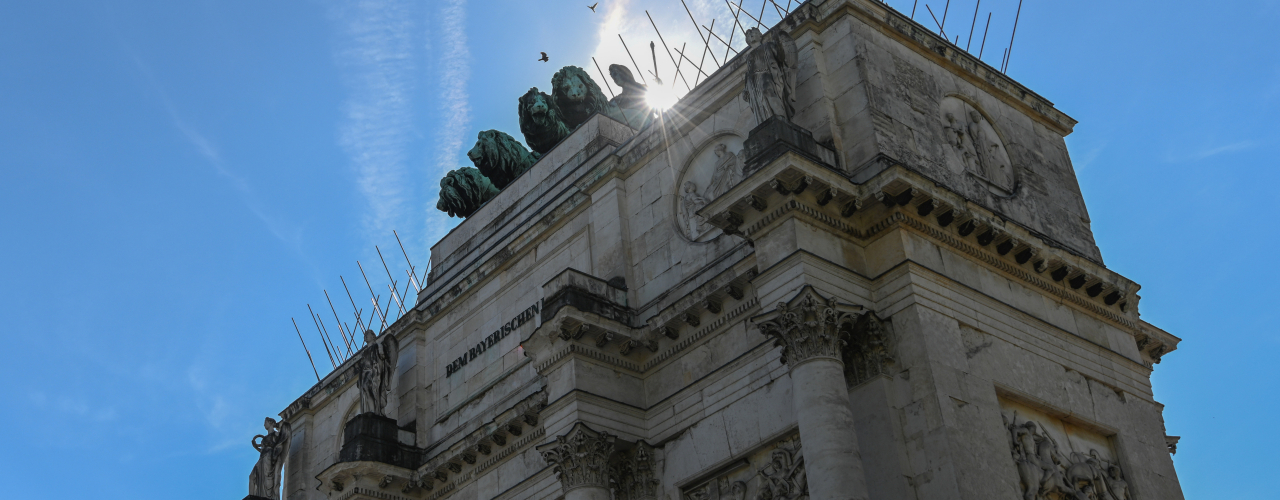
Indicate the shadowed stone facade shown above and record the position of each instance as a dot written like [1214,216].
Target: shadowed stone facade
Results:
[893,294]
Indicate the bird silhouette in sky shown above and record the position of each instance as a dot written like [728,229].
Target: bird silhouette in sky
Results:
[593,6]
[544,57]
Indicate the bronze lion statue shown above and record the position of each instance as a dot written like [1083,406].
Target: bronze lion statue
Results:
[540,121]
[500,157]
[462,191]
[577,95]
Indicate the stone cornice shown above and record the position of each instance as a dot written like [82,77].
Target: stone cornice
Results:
[792,186]
[931,45]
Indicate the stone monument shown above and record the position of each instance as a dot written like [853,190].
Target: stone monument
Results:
[855,265]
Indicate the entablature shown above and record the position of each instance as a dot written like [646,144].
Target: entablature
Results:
[793,186]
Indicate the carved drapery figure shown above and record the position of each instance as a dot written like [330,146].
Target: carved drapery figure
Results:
[1046,473]
[727,174]
[809,327]
[376,367]
[577,95]
[784,478]
[958,136]
[540,122]
[867,354]
[500,157]
[464,190]
[690,202]
[264,479]
[580,458]
[634,477]
[771,74]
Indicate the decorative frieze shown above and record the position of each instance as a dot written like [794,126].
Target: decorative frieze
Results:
[809,326]
[581,457]
[1048,470]
[775,473]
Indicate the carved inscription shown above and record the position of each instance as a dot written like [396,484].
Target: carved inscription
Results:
[492,339]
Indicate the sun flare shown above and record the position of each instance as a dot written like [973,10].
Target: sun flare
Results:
[660,97]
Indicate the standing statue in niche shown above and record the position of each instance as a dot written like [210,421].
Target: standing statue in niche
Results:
[771,74]
[264,479]
[727,174]
[376,366]
[690,202]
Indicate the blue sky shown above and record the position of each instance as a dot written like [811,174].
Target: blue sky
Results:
[181,178]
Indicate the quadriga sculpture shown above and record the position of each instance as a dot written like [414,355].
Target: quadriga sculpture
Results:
[462,191]
[500,157]
[540,121]
[577,95]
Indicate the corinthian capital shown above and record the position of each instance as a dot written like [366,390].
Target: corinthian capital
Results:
[809,326]
[581,457]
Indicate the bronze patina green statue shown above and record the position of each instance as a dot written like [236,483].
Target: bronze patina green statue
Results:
[540,121]
[462,191]
[500,157]
[577,95]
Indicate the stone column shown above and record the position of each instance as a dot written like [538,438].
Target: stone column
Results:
[581,460]
[812,332]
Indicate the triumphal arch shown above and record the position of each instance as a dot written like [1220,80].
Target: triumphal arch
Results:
[852,263]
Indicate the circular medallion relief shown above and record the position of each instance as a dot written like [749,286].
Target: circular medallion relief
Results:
[974,146]
[710,172]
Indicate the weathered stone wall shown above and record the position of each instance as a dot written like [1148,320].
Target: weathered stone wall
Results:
[668,360]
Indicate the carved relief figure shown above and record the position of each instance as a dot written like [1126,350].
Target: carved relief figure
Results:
[958,136]
[540,121]
[264,479]
[577,95]
[464,190]
[1046,473]
[727,174]
[783,478]
[376,367]
[771,74]
[690,202]
[975,145]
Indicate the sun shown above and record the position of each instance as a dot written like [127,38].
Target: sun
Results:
[660,97]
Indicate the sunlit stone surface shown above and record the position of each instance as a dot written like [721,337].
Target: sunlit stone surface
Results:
[892,294]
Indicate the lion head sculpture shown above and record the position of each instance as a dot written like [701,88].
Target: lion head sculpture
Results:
[540,121]
[500,157]
[462,191]
[577,95]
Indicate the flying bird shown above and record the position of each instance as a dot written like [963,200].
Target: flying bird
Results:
[544,57]
[593,6]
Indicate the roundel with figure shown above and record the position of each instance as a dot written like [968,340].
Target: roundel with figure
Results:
[712,171]
[974,145]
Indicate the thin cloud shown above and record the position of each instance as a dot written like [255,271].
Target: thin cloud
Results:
[1210,152]
[286,233]
[377,58]
[455,106]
